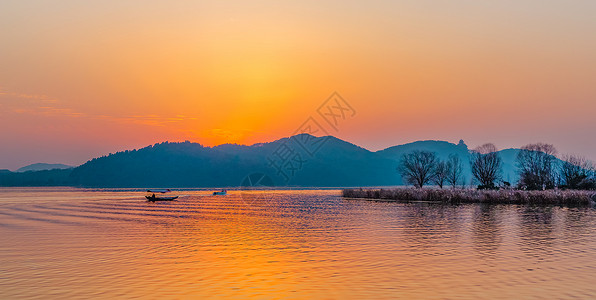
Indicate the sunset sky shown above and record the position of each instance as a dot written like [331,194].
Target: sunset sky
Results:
[80,79]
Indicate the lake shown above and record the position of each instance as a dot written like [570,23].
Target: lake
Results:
[82,243]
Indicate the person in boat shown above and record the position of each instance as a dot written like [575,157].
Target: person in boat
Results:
[223,192]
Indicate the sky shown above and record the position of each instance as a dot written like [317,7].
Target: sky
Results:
[82,79]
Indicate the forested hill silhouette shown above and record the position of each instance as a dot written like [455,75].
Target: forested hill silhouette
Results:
[334,163]
[302,160]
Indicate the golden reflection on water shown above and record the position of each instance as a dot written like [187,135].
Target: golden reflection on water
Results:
[57,243]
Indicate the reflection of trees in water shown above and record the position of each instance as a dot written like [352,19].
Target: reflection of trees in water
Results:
[542,227]
[577,222]
[486,229]
[537,230]
[427,224]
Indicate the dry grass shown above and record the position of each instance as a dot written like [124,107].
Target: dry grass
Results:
[549,197]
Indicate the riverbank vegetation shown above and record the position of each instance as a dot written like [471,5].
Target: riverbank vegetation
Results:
[457,196]
[543,178]
[538,168]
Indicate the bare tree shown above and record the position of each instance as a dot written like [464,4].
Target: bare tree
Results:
[486,165]
[441,173]
[536,164]
[455,170]
[418,167]
[577,173]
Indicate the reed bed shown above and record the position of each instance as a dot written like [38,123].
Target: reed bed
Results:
[455,196]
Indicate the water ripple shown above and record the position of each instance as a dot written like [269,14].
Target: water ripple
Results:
[80,244]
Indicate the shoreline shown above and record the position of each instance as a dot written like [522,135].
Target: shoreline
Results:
[458,196]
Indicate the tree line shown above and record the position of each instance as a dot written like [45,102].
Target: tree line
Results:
[537,166]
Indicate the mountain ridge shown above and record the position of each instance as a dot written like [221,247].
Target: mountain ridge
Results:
[299,160]
[42,167]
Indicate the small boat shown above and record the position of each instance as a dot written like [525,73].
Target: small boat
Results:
[220,193]
[160,195]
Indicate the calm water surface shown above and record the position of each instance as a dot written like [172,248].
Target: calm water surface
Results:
[73,243]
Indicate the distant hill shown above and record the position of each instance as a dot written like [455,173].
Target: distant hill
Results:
[302,160]
[55,177]
[334,163]
[43,166]
[441,148]
[444,149]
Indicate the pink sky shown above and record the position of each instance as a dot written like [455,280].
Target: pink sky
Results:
[80,80]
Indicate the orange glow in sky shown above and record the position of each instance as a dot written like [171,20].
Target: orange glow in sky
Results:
[80,79]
